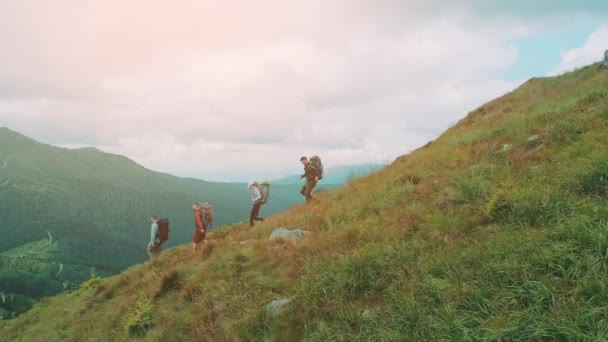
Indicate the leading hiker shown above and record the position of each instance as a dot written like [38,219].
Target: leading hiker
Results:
[312,174]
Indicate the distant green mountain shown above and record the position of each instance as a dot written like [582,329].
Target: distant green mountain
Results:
[337,175]
[95,206]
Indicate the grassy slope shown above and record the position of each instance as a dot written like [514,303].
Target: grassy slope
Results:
[96,205]
[458,241]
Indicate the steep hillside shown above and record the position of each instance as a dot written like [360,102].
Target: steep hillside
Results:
[497,230]
[94,207]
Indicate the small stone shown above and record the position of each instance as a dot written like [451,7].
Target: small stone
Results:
[534,140]
[274,308]
[506,147]
[287,234]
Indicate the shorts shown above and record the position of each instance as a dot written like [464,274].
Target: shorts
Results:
[198,236]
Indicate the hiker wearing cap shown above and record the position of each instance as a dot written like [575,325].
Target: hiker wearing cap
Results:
[311,174]
[154,244]
[207,216]
[199,227]
[256,199]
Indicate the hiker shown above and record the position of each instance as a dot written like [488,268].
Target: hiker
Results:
[207,216]
[154,244]
[199,227]
[312,176]
[256,199]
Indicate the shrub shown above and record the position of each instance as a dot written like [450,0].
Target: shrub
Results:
[499,205]
[140,319]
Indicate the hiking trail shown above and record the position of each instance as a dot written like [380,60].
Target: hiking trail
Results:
[6,161]
[60,270]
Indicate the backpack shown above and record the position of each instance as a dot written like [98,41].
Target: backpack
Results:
[264,192]
[317,164]
[163,230]
[207,217]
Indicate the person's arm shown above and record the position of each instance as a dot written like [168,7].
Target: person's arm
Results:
[153,233]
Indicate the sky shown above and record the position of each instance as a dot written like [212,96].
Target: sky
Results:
[238,90]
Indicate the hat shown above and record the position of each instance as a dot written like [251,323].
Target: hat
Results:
[250,183]
[207,205]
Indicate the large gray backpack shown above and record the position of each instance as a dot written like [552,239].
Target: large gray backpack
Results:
[264,192]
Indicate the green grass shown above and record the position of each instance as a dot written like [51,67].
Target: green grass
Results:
[457,241]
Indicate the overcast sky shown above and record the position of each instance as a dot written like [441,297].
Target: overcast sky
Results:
[233,90]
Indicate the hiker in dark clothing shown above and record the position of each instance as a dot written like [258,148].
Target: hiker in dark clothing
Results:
[154,244]
[199,227]
[311,174]
[256,199]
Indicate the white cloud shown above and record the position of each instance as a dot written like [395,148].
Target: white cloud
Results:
[194,87]
[592,51]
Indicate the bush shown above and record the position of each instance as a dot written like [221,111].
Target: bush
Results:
[140,319]
[499,205]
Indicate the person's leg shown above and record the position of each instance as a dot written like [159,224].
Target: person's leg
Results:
[149,251]
[255,211]
[309,187]
[153,251]
[252,215]
[193,248]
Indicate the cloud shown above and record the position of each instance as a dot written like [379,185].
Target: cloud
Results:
[592,51]
[208,89]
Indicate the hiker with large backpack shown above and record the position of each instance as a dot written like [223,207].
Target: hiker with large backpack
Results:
[199,227]
[159,233]
[256,199]
[313,172]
